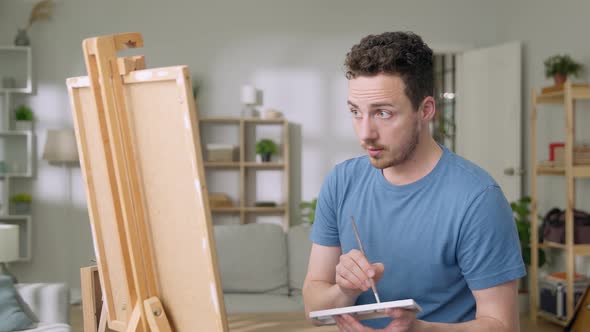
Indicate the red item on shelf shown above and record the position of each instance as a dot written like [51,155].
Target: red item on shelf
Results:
[562,275]
[552,147]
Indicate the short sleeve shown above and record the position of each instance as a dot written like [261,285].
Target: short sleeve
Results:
[488,251]
[325,227]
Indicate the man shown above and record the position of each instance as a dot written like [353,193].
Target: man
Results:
[435,227]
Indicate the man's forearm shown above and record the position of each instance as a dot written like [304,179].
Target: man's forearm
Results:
[320,295]
[481,324]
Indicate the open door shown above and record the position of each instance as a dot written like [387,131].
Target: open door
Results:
[488,113]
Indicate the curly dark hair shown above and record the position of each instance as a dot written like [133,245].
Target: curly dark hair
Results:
[397,53]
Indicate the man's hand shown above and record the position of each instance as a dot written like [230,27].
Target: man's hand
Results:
[403,321]
[353,273]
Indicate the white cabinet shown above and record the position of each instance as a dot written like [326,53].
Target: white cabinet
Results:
[17,148]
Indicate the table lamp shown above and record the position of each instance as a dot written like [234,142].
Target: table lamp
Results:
[8,247]
[60,147]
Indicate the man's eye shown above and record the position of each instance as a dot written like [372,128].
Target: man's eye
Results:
[355,113]
[384,114]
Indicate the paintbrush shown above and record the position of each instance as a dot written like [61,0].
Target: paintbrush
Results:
[358,239]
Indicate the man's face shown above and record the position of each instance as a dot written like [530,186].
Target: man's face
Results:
[384,119]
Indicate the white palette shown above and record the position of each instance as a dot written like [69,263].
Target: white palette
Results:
[362,312]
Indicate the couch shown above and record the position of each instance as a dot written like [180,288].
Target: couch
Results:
[49,302]
[262,268]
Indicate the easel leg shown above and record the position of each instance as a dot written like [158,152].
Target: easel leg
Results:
[133,325]
[583,317]
[92,308]
[102,324]
[156,316]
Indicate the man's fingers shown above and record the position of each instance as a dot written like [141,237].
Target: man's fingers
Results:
[363,263]
[398,313]
[349,268]
[355,325]
[347,323]
[345,283]
[379,270]
[340,323]
[346,274]
[354,271]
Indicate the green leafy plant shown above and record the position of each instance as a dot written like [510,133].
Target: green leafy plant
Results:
[308,210]
[266,146]
[521,212]
[561,65]
[23,113]
[21,198]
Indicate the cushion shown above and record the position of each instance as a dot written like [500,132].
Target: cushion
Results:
[13,316]
[49,301]
[51,327]
[252,258]
[251,303]
[299,248]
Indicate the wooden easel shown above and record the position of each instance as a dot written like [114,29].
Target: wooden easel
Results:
[141,161]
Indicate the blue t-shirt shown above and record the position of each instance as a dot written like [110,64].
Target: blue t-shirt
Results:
[439,237]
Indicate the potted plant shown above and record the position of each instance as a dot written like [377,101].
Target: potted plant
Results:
[521,212]
[266,148]
[560,67]
[21,203]
[308,210]
[23,116]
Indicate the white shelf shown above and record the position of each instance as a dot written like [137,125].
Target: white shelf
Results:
[15,90]
[8,52]
[24,223]
[16,175]
[18,146]
[9,133]
[15,48]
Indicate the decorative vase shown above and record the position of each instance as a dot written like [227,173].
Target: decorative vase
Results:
[559,79]
[23,125]
[22,39]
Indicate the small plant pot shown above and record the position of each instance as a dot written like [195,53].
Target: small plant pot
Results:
[265,157]
[22,207]
[23,125]
[559,79]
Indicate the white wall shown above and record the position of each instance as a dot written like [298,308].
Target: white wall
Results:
[293,50]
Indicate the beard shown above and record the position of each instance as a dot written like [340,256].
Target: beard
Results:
[391,156]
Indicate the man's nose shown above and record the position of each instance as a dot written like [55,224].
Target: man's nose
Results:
[367,130]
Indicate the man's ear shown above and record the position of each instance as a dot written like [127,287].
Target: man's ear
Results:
[428,109]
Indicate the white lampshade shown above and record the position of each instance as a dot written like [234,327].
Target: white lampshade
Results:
[8,243]
[249,95]
[61,146]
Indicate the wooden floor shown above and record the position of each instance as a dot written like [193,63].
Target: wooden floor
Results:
[525,323]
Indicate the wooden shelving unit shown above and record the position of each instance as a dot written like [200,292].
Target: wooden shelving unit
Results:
[565,96]
[247,164]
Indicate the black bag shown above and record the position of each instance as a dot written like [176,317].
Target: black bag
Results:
[554,226]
